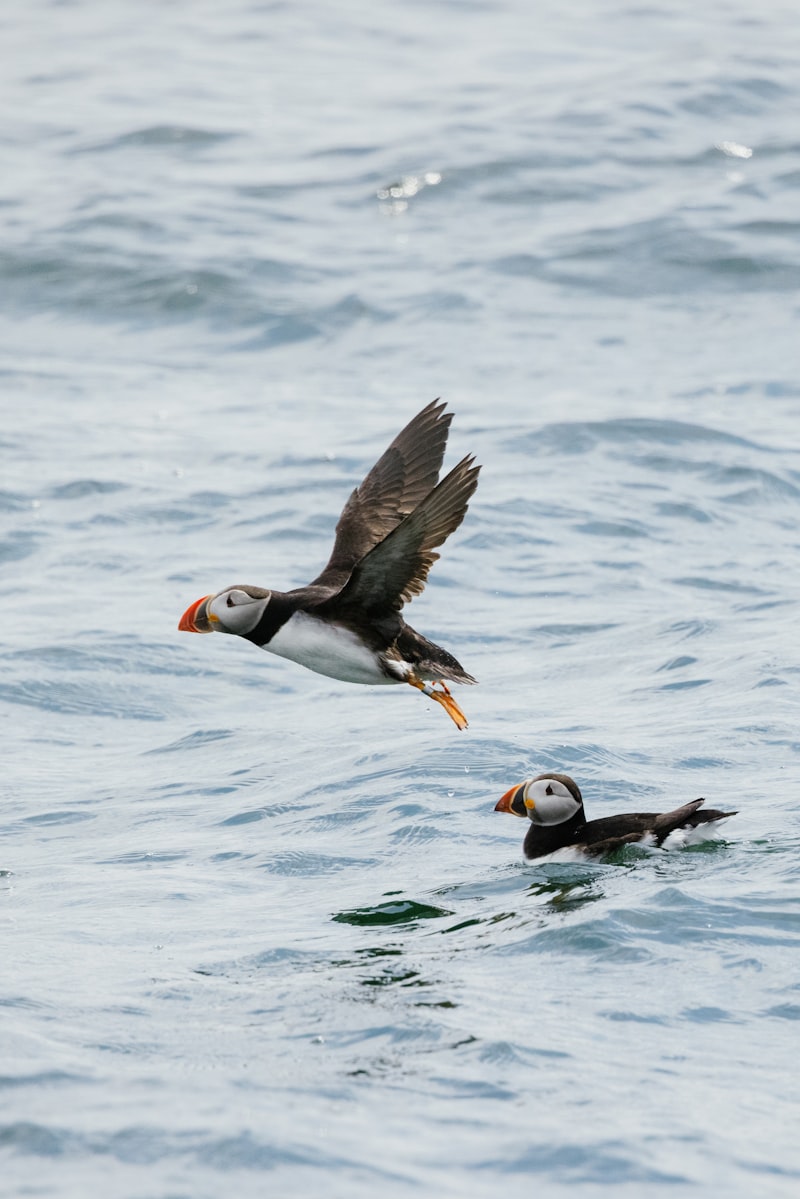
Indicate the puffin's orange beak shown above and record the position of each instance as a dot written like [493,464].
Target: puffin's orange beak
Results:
[504,804]
[195,620]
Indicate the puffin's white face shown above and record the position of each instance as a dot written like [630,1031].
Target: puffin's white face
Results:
[549,801]
[237,610]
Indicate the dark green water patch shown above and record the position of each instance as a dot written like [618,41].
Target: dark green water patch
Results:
[402,911]
[388,978]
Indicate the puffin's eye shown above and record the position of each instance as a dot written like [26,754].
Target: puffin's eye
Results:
[236,597]
[548,789]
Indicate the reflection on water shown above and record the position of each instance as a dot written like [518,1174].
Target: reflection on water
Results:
[566,895]
[410,960]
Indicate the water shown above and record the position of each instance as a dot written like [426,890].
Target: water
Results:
[263,931]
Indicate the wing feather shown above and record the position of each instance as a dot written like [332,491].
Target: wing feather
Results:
[405,473]
[396,569]
[666,822]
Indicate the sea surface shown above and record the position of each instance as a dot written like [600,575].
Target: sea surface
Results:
[263,932]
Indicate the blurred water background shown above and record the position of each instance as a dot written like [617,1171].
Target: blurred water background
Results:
[263,932]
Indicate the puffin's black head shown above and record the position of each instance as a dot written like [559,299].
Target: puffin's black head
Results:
[235,610]
[547,799]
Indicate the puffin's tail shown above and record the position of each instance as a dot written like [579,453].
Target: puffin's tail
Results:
[689,816]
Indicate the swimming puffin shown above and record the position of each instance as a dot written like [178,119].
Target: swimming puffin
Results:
[347,623]
[554,805]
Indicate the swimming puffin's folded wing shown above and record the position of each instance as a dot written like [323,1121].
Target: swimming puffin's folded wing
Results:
[601,849]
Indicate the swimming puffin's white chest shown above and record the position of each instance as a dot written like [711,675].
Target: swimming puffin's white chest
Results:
[328,649]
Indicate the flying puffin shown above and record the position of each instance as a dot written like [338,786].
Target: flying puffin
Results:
[347,623]
[554,805]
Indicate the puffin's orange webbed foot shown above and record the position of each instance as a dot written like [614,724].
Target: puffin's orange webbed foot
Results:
[444,698]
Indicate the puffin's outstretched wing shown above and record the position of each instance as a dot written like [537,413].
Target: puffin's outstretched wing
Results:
[401,478]
[396,569]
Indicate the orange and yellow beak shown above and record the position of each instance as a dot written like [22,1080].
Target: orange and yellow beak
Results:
[514,801]
[196,619]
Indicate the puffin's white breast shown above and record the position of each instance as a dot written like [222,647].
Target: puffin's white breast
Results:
[328,649]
